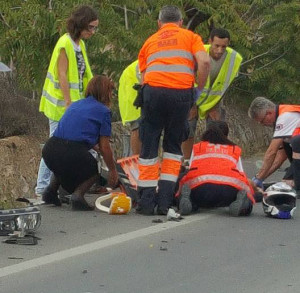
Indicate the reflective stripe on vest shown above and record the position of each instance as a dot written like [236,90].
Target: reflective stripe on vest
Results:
[148,172]
[72,85]
[170,68]
[56,102]
[170,167]
[215,156]
[218,179]
[170,54]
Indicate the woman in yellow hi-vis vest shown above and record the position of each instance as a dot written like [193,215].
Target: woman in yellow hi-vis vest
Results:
[68,75]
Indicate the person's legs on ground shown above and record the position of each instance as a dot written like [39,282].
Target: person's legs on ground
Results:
[242,206]
[170,167]
[185,204]
[211,195]
[44,174]
[187,145]
[149,132]
[78,201]
[50,194]
[177,106]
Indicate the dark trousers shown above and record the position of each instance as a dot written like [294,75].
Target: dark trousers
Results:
[70,161]
[163,109]
[295,144]
[211,195]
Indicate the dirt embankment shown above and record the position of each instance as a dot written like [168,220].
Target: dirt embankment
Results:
[20,155]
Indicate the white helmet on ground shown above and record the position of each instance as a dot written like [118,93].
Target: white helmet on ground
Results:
[279,201]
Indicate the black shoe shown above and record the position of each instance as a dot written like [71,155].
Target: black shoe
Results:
[50,197]
[79,203]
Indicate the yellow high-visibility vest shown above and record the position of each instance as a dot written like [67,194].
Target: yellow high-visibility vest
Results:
[211,95]
[52,101]
[127,94]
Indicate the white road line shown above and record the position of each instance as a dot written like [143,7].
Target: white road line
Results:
[86,248]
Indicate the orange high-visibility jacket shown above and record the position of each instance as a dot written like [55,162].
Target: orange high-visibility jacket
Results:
[217,164]
[167,57]
[290,108]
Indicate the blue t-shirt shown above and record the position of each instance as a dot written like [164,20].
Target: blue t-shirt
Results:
[85,121]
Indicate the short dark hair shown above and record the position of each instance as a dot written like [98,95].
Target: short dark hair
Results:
[80,19]
[100,87]
[216,133]
[220,33]
[170,13]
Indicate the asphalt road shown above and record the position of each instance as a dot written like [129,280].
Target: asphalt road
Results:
[209,252]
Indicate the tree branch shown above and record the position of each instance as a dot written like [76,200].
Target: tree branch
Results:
[125,17]
[132,11]
[260,55]
[273,61]
[4,21]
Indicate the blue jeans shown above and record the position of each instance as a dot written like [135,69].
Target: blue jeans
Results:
[44,175]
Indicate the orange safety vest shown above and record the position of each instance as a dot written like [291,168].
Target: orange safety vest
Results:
[167,57]
[290,108]
[215,163]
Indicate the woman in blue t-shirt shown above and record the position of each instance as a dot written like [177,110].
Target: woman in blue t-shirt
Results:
[86,124]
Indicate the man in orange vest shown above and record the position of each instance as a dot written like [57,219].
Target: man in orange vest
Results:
[167,62]
[286,138]
[216,177]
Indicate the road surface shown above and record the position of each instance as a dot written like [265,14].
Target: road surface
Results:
[209,252]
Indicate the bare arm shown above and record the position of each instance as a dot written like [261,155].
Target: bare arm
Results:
[269,158]
[107,154]
[62,68]
[203,62]
[278,161]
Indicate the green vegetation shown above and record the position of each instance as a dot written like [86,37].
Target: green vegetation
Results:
[265,32]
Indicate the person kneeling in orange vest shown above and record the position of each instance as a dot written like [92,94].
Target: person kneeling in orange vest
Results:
[216,177]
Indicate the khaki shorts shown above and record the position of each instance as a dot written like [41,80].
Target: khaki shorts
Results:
[133,125]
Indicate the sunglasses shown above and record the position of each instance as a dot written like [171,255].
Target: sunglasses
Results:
[92,28]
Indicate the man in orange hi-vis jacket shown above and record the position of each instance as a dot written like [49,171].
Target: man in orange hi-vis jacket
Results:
[167,62]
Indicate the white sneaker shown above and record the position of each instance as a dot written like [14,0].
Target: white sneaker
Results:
[37,200]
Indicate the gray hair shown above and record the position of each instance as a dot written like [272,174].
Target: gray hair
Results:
[170,13]
[259,107]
